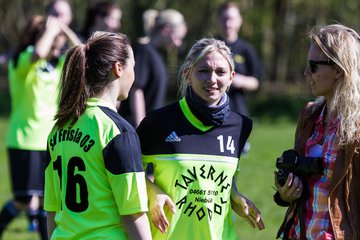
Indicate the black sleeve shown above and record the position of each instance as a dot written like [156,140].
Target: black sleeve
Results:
[122,154]
[245,131]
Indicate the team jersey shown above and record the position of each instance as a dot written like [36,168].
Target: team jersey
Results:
[34,95]
[94,175]
[194,164]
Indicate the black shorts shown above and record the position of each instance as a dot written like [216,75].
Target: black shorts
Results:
[27,170]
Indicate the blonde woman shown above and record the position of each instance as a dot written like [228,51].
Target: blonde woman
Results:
[327,205]
[195,146]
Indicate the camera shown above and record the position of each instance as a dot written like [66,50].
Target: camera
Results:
[291,162]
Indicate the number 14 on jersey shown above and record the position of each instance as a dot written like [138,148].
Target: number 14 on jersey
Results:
[229,146]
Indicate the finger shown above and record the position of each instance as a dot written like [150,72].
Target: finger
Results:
[257,222]
[245,207]
[171,205]
[248,219]
[296,187]
[260,225]
[158,218]
[277,185]
[158,225]
[163,218]
[289,180]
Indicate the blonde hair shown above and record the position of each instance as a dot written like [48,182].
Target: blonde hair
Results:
[168,17]
[197,52]
[341,44]
[149,17]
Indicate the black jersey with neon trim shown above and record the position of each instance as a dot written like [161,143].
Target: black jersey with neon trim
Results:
[194,164]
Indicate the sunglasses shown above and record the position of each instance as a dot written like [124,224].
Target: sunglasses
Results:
[314,64]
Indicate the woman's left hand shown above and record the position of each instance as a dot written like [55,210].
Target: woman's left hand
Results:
[247,210]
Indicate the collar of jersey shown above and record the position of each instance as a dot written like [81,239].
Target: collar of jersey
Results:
[93,102]
[191,117]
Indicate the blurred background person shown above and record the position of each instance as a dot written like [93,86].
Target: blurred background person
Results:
[61,9]
[102,16]
[151,78]
[148,20]
[34,74]
[248,68]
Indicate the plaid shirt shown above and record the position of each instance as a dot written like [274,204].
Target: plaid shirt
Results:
[316,213]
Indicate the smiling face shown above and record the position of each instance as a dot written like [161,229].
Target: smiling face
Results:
[211,77]
[323,79]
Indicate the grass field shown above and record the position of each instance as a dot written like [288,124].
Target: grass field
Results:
[256,180]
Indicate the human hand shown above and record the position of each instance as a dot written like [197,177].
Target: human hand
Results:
[247,210]
[53,25]
[291,190]
[156,211]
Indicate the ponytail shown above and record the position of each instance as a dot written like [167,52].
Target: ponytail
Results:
[74,92]
[87,72]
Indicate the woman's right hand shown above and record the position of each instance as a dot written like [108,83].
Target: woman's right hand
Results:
[156,210]
[291,190]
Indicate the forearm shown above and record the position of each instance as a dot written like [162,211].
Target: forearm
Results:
[138,106]
[248,83]
[51,225]
[137,226]
[44,44]
[73,39]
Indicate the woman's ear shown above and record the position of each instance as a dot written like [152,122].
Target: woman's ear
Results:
[117,69]
[339,73]
[232,75]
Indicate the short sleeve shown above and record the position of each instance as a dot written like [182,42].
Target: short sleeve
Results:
[126,175]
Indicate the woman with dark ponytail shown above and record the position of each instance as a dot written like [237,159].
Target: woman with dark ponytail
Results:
[94,180]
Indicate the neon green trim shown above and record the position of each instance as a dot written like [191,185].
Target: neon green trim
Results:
[191,117]
[189,157]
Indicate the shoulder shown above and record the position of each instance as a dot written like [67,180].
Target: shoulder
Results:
[160,118]
[163,114]
[23,58]
[312,109]
[236,116]
[140,48]
[242,45]
[243,121]
[118,121]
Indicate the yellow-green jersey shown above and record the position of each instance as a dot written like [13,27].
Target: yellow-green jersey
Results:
[194,164]
[94,175]
[34,88]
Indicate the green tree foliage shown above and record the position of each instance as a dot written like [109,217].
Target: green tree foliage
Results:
[277,28]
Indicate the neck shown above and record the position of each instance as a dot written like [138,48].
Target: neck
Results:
[111,93]
[230,38]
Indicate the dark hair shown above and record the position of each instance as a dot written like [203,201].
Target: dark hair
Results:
[87,70]
[227,5]
[50,7]
[31,33]
[101,9]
